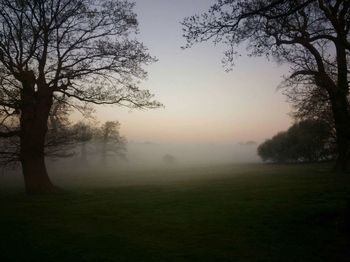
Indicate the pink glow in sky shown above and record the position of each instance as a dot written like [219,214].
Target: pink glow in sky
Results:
[203,103]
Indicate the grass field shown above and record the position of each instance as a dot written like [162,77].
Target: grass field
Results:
[221,213]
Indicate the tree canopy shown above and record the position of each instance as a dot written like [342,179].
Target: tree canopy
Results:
[312,36]
[74,48]
[72,51]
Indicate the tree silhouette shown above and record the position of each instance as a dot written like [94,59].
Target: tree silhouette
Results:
[111,142]
[59,141]
[62,50]
[83,134]
[305,141]
[312,36]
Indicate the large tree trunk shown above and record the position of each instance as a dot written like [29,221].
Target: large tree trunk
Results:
[35,108]
[340,108]
[340,105]
[35,175]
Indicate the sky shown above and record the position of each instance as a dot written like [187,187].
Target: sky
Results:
[203,103]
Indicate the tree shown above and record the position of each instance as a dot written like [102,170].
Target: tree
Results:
[83,134]
[275,149]
[169,159]
[61,50]
[59,140]
[111,142]
[310,102]
[310,35]
[305,141]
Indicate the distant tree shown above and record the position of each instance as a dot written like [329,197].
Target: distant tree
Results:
[312,36]
[58,49]
[83,133]
[305,141]
[169,159]
[112,144]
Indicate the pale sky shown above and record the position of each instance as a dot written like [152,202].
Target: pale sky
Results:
[203,103]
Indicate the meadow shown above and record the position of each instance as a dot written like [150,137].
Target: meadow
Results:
[241,212]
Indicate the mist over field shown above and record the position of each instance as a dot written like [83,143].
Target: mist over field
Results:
[148,161]
[144,162]
[151,155]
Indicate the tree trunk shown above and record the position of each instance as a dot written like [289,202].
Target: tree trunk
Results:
[35,109]
[36,179]
[340,108]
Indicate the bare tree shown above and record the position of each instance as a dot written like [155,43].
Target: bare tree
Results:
[310,35]
[58,49]
[111,142]
[83,134]
[310,102]
[60,137]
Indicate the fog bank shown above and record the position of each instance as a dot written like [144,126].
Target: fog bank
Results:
[153,155]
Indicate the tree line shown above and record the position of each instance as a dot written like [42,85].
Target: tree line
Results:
[305,141]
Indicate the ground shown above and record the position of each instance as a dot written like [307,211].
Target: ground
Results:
[222,213]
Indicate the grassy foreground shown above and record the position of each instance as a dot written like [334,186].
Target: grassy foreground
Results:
[226,213]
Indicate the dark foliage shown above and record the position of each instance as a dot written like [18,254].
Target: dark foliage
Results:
[306,141]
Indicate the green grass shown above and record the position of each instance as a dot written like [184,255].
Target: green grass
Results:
[222,213]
